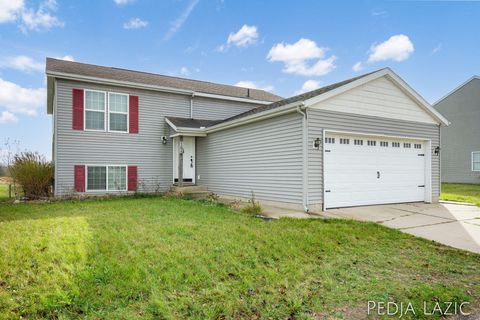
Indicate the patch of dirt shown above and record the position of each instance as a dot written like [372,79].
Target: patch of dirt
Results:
[5,180]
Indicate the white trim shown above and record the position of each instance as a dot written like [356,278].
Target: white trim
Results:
[474,152]
[170,123]
[392,76]
[428,159]
[85,110]
[107,166]
[456,89]
[136,85]
[55,138]
[187,134]
[127,113]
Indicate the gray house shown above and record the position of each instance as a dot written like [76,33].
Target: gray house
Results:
[460,157]
[367,140]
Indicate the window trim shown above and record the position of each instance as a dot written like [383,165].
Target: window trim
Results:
[107,166]
[85,110]
[127,113]
[474,152]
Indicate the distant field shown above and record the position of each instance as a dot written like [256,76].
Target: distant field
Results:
[4,188]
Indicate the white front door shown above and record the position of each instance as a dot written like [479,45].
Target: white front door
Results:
[188,145]
[365,170]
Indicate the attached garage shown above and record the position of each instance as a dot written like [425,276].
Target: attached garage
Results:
[369,169]
[363,141]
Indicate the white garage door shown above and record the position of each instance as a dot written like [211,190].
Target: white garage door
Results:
[364,170]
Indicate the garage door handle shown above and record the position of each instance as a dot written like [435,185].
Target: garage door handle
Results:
[378,174]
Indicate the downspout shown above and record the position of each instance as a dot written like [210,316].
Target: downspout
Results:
[191,105]
[301,109]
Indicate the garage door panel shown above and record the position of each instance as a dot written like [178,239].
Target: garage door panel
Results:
[363,170]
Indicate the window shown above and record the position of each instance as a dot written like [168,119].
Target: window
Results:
[329,140]
[371,143]
[344,141]
[103,178]
[94,110]
[117,112]
[383,143]
[96,178]
[407,145]
[358,142]
[396,144]
[476,161]
[417,146]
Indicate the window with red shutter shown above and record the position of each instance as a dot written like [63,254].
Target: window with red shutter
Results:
[77,109]
[133,114]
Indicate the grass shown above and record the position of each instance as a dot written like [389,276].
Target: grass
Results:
[163,258]
[3,192]
[461,192]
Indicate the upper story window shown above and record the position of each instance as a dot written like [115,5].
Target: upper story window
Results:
[95,102]
[117,112]
[476,161]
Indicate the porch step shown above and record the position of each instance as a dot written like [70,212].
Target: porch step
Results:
[188,189]
[196,195]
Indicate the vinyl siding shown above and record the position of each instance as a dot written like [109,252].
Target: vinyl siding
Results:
[209,109]
[318,120]
[462,109]
[380,98]
[264,157]
[145,150]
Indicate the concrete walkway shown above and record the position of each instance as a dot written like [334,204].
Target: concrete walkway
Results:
[456,225]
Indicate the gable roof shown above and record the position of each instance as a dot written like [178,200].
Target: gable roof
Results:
[56,68]
[309,98]
[456,89]
[176,123]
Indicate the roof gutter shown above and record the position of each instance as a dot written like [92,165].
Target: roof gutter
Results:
[291,107]
[136,85]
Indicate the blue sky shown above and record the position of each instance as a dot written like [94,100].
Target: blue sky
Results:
[285,47]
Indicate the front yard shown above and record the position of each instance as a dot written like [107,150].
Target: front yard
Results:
[461,192]
[169,258]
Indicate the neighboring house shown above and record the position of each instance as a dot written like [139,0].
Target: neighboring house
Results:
[460,157]
[367,140]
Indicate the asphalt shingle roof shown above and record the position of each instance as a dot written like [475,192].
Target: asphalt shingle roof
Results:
[110,73]
[192,123]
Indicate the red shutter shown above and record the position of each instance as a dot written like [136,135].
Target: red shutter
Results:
[77,109]
[133,114]
[132,178]
[79,180]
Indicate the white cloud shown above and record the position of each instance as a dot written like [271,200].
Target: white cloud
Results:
[10,9]
[22,63]
[178,23]
[397,48]
[357,66]
[380,13]
[309,85]
[295,58]
[29,19]
[253,85]
[123,2]
[135,23]
[17,99]
[66,58]
[247,35]
[437,49]
[185,71]
[8,117]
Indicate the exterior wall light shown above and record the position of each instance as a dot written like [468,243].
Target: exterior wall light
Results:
[164,140]
[436,150]
[316,143]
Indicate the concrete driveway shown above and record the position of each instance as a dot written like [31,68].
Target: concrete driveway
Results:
[456,225]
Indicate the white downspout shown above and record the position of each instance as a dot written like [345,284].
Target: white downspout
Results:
[191,105]
[304,155]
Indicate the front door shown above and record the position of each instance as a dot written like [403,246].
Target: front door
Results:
[188,145]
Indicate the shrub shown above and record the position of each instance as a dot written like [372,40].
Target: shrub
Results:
[33,172]
[253,206]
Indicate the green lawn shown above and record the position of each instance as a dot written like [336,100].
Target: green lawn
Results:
[3,192]
[158,258]
[461,192]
